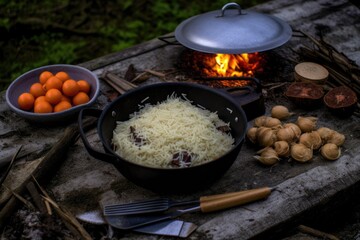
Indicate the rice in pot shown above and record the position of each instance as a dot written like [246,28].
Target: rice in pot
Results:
[173,133]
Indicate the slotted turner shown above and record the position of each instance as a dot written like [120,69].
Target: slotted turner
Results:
[162,204]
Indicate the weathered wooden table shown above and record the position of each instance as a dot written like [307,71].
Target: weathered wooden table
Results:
[302,190]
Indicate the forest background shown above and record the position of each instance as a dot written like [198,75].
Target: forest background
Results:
[38,33]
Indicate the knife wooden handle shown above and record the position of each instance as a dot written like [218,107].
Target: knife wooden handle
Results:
[222,195]
[236,199]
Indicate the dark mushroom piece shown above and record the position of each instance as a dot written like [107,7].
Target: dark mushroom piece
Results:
[341,101]
[224,128]
[305,95]
[137,138]
[181,159]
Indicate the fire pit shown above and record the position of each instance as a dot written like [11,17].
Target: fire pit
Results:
[227,46]
[233,73]
[208,65]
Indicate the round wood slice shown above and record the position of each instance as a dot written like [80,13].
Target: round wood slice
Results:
[311,72]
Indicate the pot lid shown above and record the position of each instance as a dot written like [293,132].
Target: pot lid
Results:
[232,31]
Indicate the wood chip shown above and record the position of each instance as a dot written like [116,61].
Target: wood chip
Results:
[311,72]
[316,233]
[130,73]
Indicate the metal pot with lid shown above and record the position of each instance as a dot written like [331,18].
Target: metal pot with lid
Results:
[233,31]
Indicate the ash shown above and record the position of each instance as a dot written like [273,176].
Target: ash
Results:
[27,224]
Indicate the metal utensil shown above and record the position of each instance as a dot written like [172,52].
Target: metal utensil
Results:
[159,204]
[175,228]
[233,31]
[138,220]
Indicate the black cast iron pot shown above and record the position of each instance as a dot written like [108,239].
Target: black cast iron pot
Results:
[167,179]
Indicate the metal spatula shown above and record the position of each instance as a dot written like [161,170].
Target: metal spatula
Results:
[175,228]
[160,204]
[134,221]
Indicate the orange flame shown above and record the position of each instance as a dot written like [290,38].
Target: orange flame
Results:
[236,65]
[224,67]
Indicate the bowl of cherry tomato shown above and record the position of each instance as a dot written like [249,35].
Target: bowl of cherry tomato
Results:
[53,93]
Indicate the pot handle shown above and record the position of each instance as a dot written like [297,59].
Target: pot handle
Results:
[94,153]
[230,5]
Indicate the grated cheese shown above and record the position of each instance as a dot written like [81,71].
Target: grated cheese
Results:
[156,133]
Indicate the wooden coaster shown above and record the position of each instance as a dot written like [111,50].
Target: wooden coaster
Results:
[311,72]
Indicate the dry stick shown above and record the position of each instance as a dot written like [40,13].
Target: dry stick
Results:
[47,167]
[126,85]
[346,73]
[160,75]
[341,58]
[336,76]
[27,203]
[330,54]
[139,77]
[316,55]
[113,85]
[119,84]
[316,233]
[340,79]
[34,193]
[10,165]
[70,221]
[155,73]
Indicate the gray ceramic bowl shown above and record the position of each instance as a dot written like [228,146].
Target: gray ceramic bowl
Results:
[23,83]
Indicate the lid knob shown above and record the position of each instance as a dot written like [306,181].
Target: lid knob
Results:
[230,5]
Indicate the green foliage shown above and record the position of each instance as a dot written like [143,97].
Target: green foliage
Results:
[49,32]
[54,52]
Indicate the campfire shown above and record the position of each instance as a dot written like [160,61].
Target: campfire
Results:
[229,70]
[231,65]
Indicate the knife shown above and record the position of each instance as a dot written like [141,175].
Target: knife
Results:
[174,228]
[134,221]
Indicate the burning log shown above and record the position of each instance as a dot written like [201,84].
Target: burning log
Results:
[222,65]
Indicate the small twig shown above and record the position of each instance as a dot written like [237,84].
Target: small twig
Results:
[70,221]
[113,85]
[155,73]
[330,51]
[316,233]
[47,204]
[48,208]
[36,197]
[48,165]
[274,85]
[118,83]
[140,77]
[342,70]
[10,166]
[277,86]
[20,198]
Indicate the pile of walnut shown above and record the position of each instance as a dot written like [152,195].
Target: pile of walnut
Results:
[297,140]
